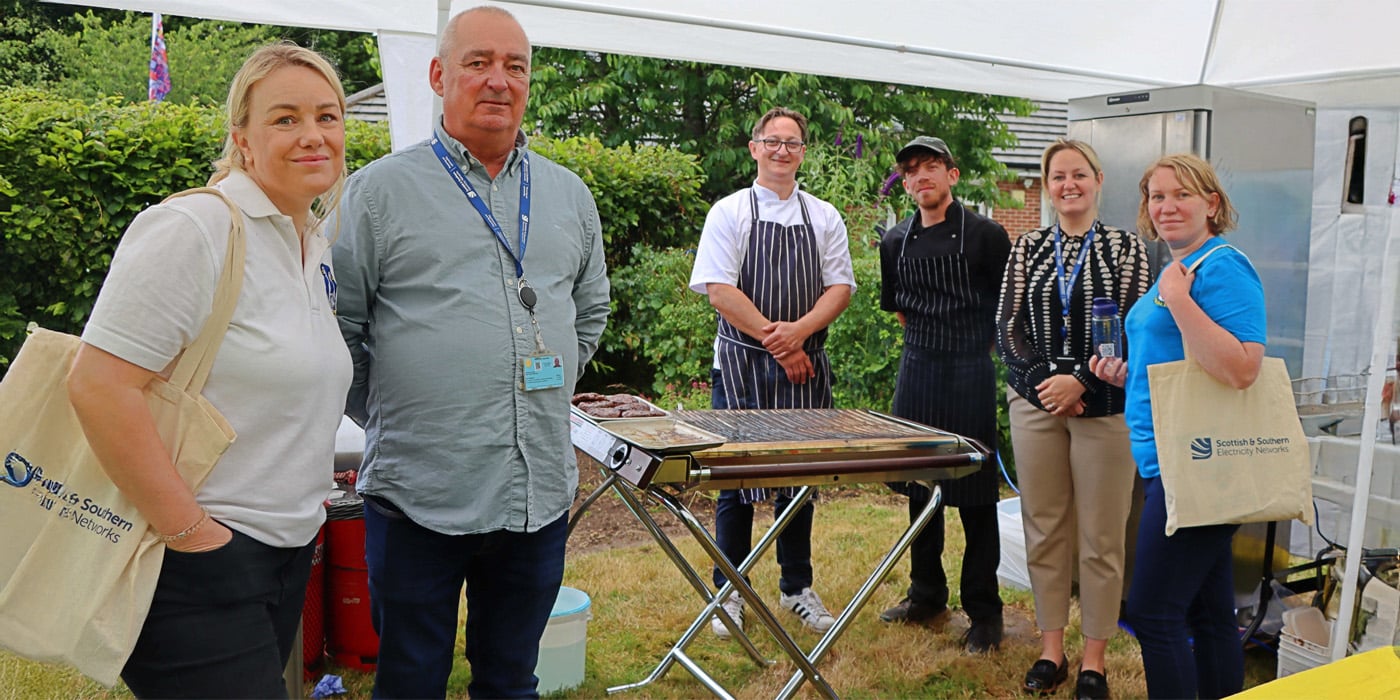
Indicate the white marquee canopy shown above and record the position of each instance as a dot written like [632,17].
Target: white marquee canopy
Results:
[1336,53]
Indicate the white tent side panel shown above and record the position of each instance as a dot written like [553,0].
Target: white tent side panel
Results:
[404,60]
[1345,265]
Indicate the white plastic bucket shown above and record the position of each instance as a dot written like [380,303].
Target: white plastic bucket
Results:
[1011,571]
[565,637]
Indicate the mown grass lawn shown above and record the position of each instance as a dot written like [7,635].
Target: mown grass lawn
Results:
[641,604]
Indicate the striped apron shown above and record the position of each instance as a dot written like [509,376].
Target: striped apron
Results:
[782,275]
[943,381]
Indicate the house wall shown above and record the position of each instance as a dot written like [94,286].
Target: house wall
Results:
[1027,218]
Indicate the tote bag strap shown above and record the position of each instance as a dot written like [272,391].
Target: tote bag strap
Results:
[1192,269]
[1209,253]
[192,369]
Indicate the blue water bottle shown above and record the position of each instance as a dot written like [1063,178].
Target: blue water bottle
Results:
[1107,328]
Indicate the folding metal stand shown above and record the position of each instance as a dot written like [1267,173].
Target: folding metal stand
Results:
[668,498]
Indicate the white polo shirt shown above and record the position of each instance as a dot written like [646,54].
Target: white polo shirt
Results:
[282,373]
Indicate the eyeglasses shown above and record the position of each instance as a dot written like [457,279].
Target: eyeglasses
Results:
[772,145]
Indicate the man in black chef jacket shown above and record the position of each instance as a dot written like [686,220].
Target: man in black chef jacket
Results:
[941,275]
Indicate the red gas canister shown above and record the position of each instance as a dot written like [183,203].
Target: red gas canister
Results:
[350,637]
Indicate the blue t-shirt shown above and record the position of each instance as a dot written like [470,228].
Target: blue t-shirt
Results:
[1228,290]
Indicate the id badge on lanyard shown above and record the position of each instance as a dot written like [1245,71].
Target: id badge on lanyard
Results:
[1065,362]
[542,369]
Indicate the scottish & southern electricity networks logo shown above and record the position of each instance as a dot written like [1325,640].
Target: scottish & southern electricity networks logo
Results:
[1201,448]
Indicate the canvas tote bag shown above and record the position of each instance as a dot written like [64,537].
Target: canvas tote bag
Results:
[78,564]
[1229,455]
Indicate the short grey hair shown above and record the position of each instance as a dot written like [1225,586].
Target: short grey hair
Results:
[448,39]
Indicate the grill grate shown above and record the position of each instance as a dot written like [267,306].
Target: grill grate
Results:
[803,424]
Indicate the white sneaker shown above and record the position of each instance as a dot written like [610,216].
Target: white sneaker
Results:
[808,606]
[735,607]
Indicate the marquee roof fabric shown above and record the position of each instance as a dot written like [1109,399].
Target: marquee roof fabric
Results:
[1336,53]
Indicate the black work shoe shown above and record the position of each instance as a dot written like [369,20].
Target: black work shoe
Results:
[983,636]
[1045,677]
[1091,686]
[915,613]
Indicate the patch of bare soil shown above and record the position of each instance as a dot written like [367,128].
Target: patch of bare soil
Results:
[608,523]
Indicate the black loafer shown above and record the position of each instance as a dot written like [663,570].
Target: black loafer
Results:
[1045,677]
[984,636]
[1091,686]
[914,613]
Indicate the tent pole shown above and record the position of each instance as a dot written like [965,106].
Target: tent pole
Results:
[444,13]
[1209,56]
[1380,345]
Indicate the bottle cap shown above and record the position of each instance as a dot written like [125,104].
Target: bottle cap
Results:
[1103,306]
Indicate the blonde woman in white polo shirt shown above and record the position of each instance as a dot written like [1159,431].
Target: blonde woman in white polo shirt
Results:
[239,550]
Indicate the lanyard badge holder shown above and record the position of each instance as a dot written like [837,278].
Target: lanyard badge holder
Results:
[1066,362]
[542,369]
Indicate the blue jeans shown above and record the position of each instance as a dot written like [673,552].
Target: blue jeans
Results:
[734,535]
[222,623]
[416,577]
[1183,592]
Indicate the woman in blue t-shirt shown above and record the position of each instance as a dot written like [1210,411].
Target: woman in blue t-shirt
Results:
[1181,602]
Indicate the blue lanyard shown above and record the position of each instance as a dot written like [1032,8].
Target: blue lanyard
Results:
[460,178]
[1066,286]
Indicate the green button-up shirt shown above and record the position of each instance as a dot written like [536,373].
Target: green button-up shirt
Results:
[428,305]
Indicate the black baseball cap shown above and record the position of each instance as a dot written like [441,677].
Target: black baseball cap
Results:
[923,143]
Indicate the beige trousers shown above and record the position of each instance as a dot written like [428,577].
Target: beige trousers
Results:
[1076,479]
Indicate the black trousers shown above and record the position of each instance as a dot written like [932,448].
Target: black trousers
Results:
[955,392]
[222,623]
[928,584]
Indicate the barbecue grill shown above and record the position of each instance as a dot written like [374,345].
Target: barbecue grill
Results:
[663,458]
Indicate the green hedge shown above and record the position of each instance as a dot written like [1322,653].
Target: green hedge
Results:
[647,195]
[74,174]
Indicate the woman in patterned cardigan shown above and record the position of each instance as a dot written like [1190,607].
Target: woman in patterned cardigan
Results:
[1071,444]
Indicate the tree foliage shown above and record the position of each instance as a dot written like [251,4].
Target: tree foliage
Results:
[355,55]
[111,57]
[87,55]
[27,55]
[708,110]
